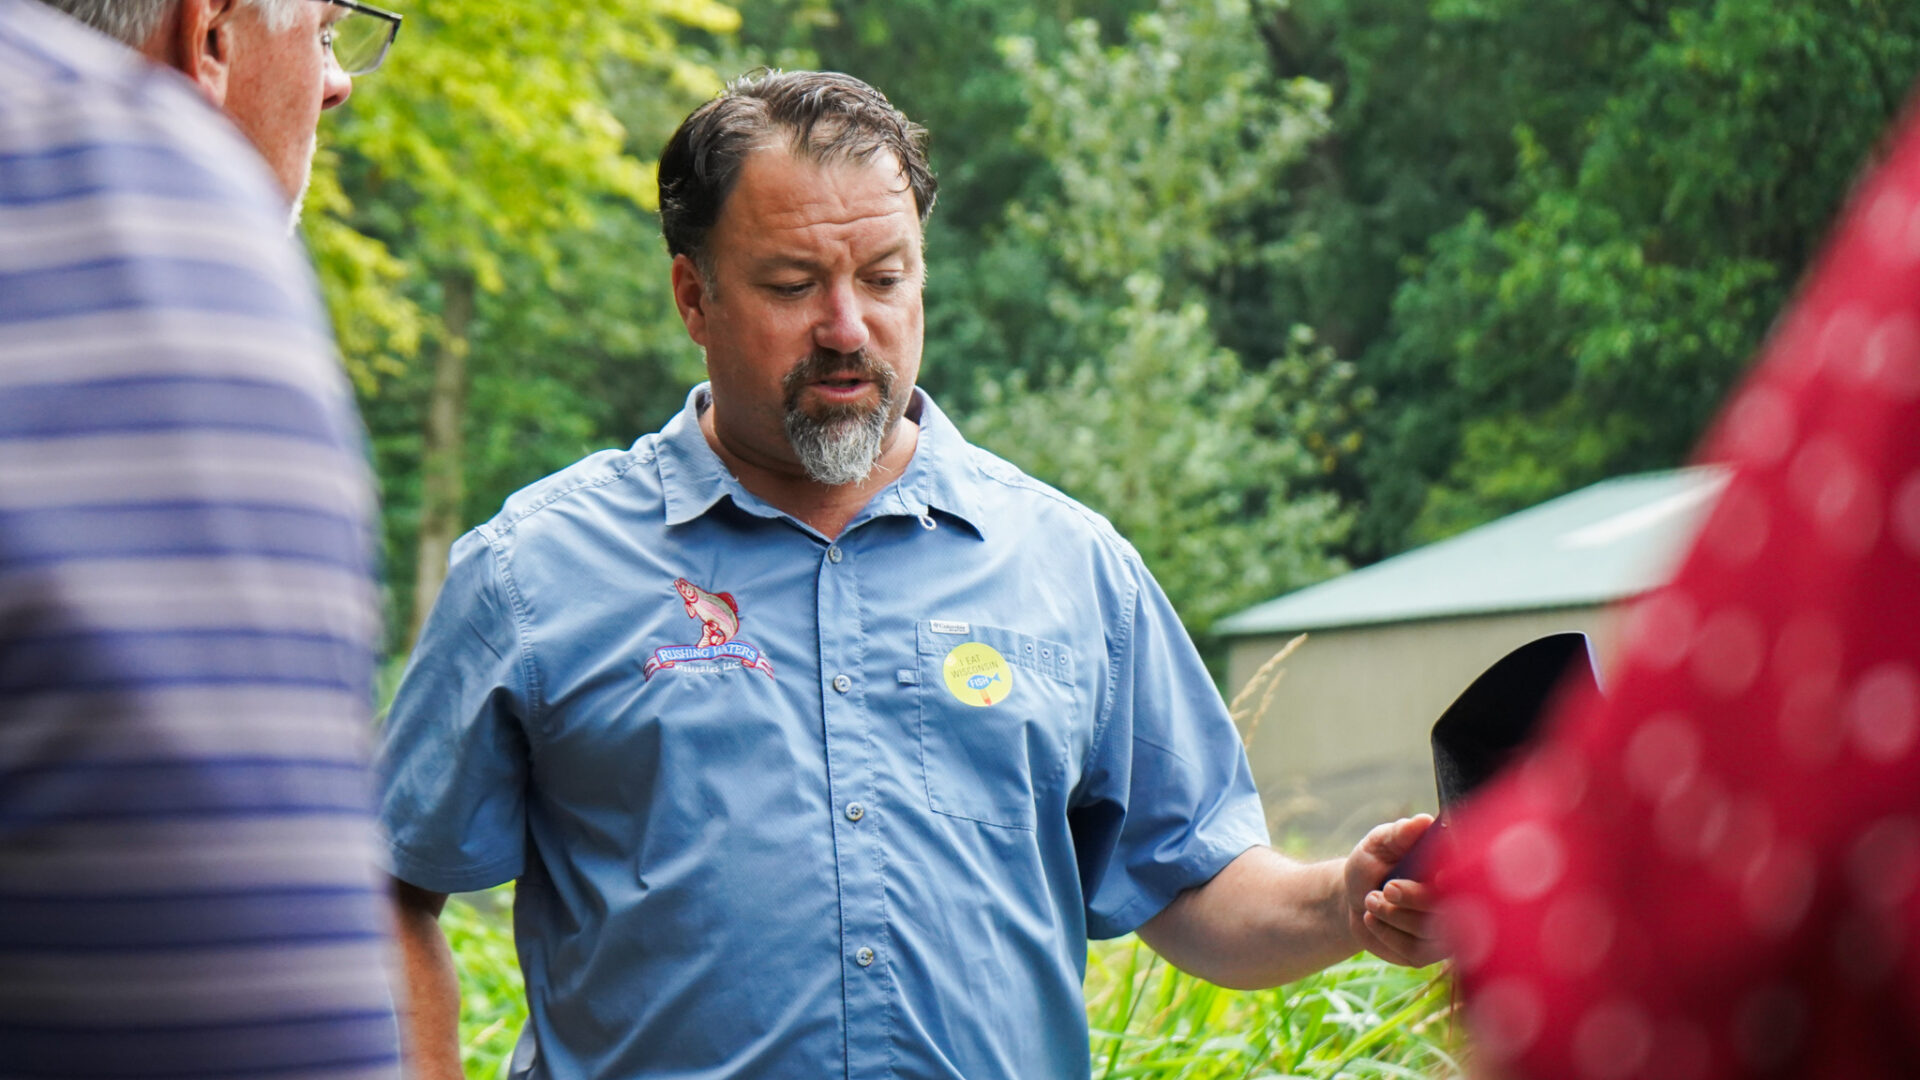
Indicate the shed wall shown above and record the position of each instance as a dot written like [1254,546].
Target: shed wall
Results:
[1342,744]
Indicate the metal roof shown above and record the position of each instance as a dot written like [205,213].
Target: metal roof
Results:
[1603,543]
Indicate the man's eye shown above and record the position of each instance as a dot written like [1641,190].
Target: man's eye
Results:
[792,290]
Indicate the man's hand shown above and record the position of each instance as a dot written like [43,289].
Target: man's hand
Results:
[1394,923]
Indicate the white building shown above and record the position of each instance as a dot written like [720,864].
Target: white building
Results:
[1341,743]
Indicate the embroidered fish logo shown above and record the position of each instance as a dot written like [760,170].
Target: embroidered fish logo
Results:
[717,614]
[981,682]
[719,619]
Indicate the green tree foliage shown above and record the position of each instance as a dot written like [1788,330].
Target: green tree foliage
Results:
[1099,302]
[1189,454]
[1548,232]
[492,128]
[1106,177]
[482,225]
[1583,217]
[1426,96]
[1436,258]
[1163,148]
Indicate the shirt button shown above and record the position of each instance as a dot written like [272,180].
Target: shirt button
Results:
[855,811]
[864,957]
[833,553]
[842,683]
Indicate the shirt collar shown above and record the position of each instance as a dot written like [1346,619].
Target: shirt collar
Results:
[692,476]
[942,477]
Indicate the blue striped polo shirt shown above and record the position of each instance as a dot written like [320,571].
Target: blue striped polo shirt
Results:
[187,610]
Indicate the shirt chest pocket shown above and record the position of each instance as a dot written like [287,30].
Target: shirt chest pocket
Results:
[997,714]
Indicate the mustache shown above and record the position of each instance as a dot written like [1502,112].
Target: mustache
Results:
[825,363]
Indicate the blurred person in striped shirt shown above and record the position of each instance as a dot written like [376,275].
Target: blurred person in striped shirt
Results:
[187,613]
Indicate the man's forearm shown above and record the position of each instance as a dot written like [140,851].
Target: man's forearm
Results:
[1262,921]
[432,990]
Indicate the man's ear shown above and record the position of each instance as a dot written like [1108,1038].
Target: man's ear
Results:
[691,296]
[198,41]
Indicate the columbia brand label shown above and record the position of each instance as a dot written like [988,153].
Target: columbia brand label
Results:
[941,626]
[977,675]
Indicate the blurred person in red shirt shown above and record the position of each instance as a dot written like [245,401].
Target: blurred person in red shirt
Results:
[1714,871]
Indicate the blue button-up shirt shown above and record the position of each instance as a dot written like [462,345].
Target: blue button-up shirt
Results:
[785,806]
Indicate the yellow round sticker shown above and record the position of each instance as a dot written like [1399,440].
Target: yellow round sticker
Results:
[978,675]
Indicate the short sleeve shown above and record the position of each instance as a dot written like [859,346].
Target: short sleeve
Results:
[1167,799]
[453,762]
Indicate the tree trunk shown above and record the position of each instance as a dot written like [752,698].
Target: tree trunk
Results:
[443,450]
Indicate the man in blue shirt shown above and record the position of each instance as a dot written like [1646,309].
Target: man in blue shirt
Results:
[819,740]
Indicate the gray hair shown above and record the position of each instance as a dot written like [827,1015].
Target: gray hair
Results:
[133,21]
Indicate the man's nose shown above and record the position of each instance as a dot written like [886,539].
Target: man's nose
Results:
[843,325]
[336,85]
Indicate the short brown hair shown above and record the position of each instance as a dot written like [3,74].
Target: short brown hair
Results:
[823,116]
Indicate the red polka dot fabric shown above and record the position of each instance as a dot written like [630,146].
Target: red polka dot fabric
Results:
[1715,871]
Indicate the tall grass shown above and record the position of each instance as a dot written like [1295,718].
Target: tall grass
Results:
[1360,1018]
[493,1004]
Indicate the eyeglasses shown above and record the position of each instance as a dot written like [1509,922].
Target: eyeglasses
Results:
[361,38]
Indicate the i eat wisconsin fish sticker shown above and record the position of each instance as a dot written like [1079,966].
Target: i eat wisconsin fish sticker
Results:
[977,674]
